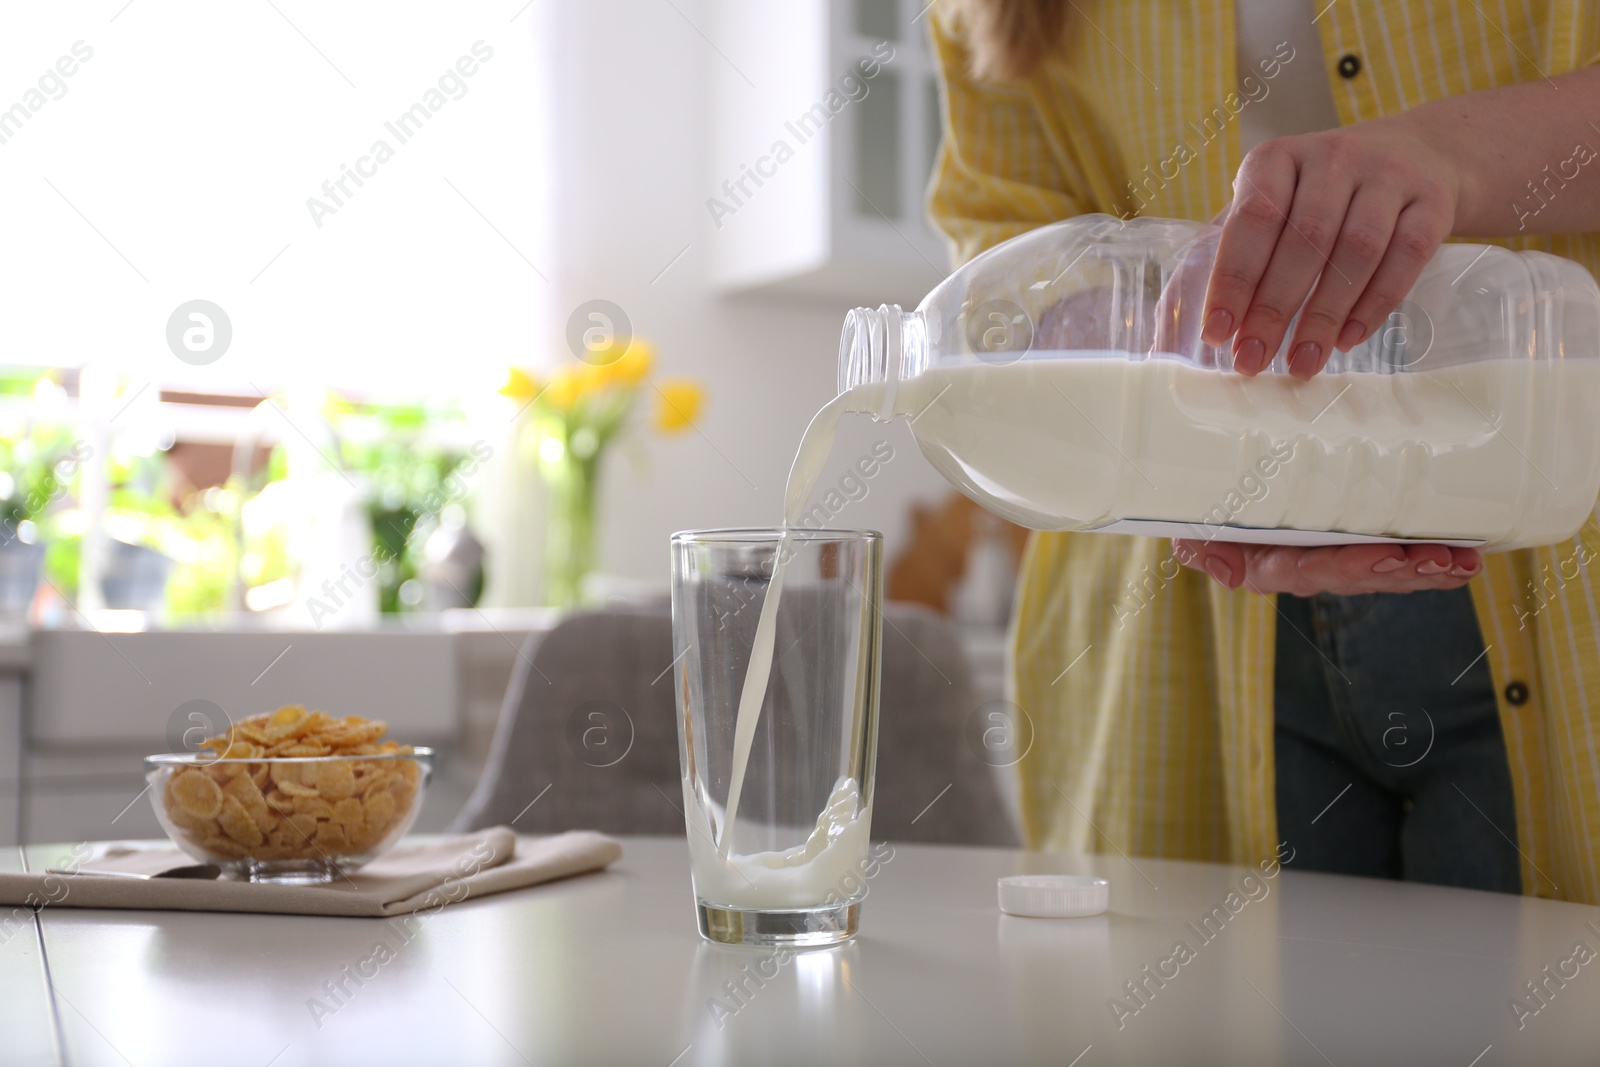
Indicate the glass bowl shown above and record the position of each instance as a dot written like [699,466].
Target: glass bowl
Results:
[297,821]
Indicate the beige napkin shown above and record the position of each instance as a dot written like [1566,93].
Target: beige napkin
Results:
[413,876]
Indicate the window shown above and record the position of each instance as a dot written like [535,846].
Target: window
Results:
[360,192]
[342,208]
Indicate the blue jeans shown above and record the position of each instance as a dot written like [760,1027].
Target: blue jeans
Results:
[1390,758]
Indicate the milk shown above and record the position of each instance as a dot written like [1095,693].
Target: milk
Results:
[1501,452]
[819,870]
[1078,395]
[822,870]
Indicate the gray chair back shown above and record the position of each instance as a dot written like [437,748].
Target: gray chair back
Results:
[588,737]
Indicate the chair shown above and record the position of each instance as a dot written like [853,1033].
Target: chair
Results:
[587,736]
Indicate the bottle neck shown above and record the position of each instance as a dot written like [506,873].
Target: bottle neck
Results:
[879,348]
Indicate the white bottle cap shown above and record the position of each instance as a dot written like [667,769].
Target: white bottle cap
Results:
[1054,896]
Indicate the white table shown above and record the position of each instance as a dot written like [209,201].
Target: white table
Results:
[608,969]
[26,1032]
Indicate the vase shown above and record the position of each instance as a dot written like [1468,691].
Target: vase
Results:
[134,577]
[452,568]
[569,540]
[21,566]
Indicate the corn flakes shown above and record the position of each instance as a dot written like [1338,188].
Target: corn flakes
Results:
[248,802]
[237,823]
[313,806]
[334,781]
[348,811]
[197,794]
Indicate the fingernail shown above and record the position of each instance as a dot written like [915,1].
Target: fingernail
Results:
[1305,357]
[1218,325]
[1250,355]
[1353,332]
[1428,566]
[1463,572]
[1220,571]
[1387,565]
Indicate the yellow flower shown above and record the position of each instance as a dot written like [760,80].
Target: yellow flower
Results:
[633,365]
[520,385]
[566,386]
[678,404]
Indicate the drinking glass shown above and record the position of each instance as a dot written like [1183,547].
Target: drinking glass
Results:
[790,870]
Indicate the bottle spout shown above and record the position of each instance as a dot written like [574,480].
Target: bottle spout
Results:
[878,348]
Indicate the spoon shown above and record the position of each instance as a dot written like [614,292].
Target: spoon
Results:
[193,870]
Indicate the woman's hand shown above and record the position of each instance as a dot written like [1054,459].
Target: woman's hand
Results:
[1340,569]
[1364,206]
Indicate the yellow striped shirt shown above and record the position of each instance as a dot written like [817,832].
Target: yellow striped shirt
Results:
[1159,740]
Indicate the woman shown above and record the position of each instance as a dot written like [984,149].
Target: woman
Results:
[1416,711]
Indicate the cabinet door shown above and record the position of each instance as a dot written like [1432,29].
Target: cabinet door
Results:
[827,159]
[888,142]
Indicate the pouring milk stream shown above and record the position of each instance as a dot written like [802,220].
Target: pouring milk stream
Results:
[801,876]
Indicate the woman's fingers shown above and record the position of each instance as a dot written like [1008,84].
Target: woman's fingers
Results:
[1351,569]
[1348,217]
[1263,193]
[1347,570]
[1365,235]
[1223,560]
[1343,570]
[1418,231]
[1320,204]
[1465,562]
